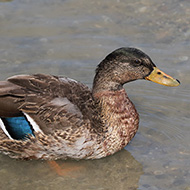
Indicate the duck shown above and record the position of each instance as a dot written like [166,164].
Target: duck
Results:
[54,117]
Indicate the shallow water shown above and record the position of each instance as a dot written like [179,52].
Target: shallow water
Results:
[69,37]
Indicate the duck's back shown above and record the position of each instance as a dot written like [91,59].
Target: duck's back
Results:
[52,102]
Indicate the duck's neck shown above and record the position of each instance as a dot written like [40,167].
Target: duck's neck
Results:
[117,110]
[115,102]
[105,86]
[104,81]
[119,116]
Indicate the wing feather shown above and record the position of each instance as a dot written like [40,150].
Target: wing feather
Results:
[52,102]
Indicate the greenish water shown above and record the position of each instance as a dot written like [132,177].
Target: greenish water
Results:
[69,37]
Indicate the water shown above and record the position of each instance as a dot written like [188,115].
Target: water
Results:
[69,37]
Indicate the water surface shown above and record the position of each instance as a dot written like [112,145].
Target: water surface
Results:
[69,37]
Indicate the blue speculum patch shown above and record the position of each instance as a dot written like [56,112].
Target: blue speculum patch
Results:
[18,127]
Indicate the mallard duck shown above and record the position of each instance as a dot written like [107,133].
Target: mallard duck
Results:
[54,117]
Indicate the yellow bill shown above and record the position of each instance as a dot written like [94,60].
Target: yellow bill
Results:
[160,77]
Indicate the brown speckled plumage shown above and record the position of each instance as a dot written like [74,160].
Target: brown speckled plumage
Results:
[75,121]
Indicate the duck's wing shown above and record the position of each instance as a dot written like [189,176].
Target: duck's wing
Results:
[47,102]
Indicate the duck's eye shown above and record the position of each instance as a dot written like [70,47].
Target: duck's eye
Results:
[137,62]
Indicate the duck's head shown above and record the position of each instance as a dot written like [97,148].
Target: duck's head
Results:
[128,64]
